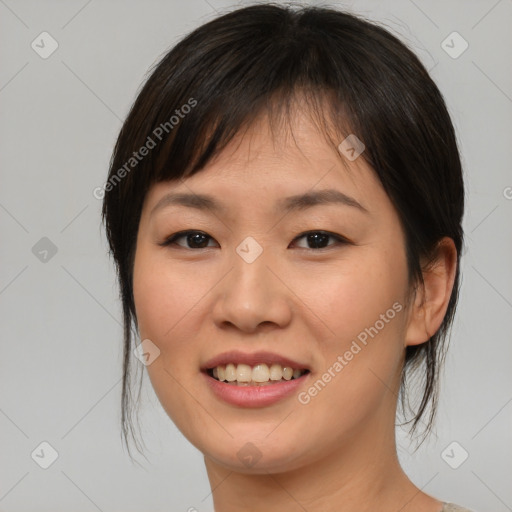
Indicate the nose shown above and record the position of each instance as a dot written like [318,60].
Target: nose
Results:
[253,297]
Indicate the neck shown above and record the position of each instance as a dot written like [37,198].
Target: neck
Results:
[363,474]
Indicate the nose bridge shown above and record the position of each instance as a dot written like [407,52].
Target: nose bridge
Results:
[251,294]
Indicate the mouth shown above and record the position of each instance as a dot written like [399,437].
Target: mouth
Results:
[262,368]
[261,374]
[260,379]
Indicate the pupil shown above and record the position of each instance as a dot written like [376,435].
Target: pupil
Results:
[316,239]
[195,236]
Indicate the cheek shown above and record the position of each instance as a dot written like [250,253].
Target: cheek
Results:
[164,303]
[362,305]
[351,297]
[162,295]
[169,302]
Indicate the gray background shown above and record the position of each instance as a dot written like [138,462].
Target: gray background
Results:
[60,364]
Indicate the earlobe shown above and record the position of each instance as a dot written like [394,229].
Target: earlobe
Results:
[431,300]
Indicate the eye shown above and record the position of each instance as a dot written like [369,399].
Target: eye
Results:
[199,239]
[196,239]
[318,239]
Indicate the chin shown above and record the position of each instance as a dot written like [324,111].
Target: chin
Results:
[248,455]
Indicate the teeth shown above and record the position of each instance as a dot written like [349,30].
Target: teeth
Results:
[276,372]
[243,373]
[287,373]
[258,374]
[230,375]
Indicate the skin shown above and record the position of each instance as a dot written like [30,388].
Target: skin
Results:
[336,453]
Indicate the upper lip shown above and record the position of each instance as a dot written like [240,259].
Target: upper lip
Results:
[252,359]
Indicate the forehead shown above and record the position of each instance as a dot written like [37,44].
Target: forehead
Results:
[290,163]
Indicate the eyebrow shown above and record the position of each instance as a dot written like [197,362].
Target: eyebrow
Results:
[297,202]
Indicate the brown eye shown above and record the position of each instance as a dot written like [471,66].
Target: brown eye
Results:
[316,240]
[320,239]
[194,239]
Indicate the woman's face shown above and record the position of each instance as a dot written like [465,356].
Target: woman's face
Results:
[251,282]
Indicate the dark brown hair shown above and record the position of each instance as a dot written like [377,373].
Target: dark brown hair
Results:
[355,75]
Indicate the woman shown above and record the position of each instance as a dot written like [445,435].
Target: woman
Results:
[284,208]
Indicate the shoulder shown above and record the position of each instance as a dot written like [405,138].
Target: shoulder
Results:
[452,507]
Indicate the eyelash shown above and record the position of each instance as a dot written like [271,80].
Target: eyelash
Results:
[171,240]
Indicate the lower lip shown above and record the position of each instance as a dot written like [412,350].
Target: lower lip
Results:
[254,396]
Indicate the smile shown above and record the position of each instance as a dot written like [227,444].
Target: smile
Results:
[262,374]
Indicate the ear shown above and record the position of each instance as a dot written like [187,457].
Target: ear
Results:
[431,300]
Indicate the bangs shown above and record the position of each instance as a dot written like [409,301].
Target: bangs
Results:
[189,150]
